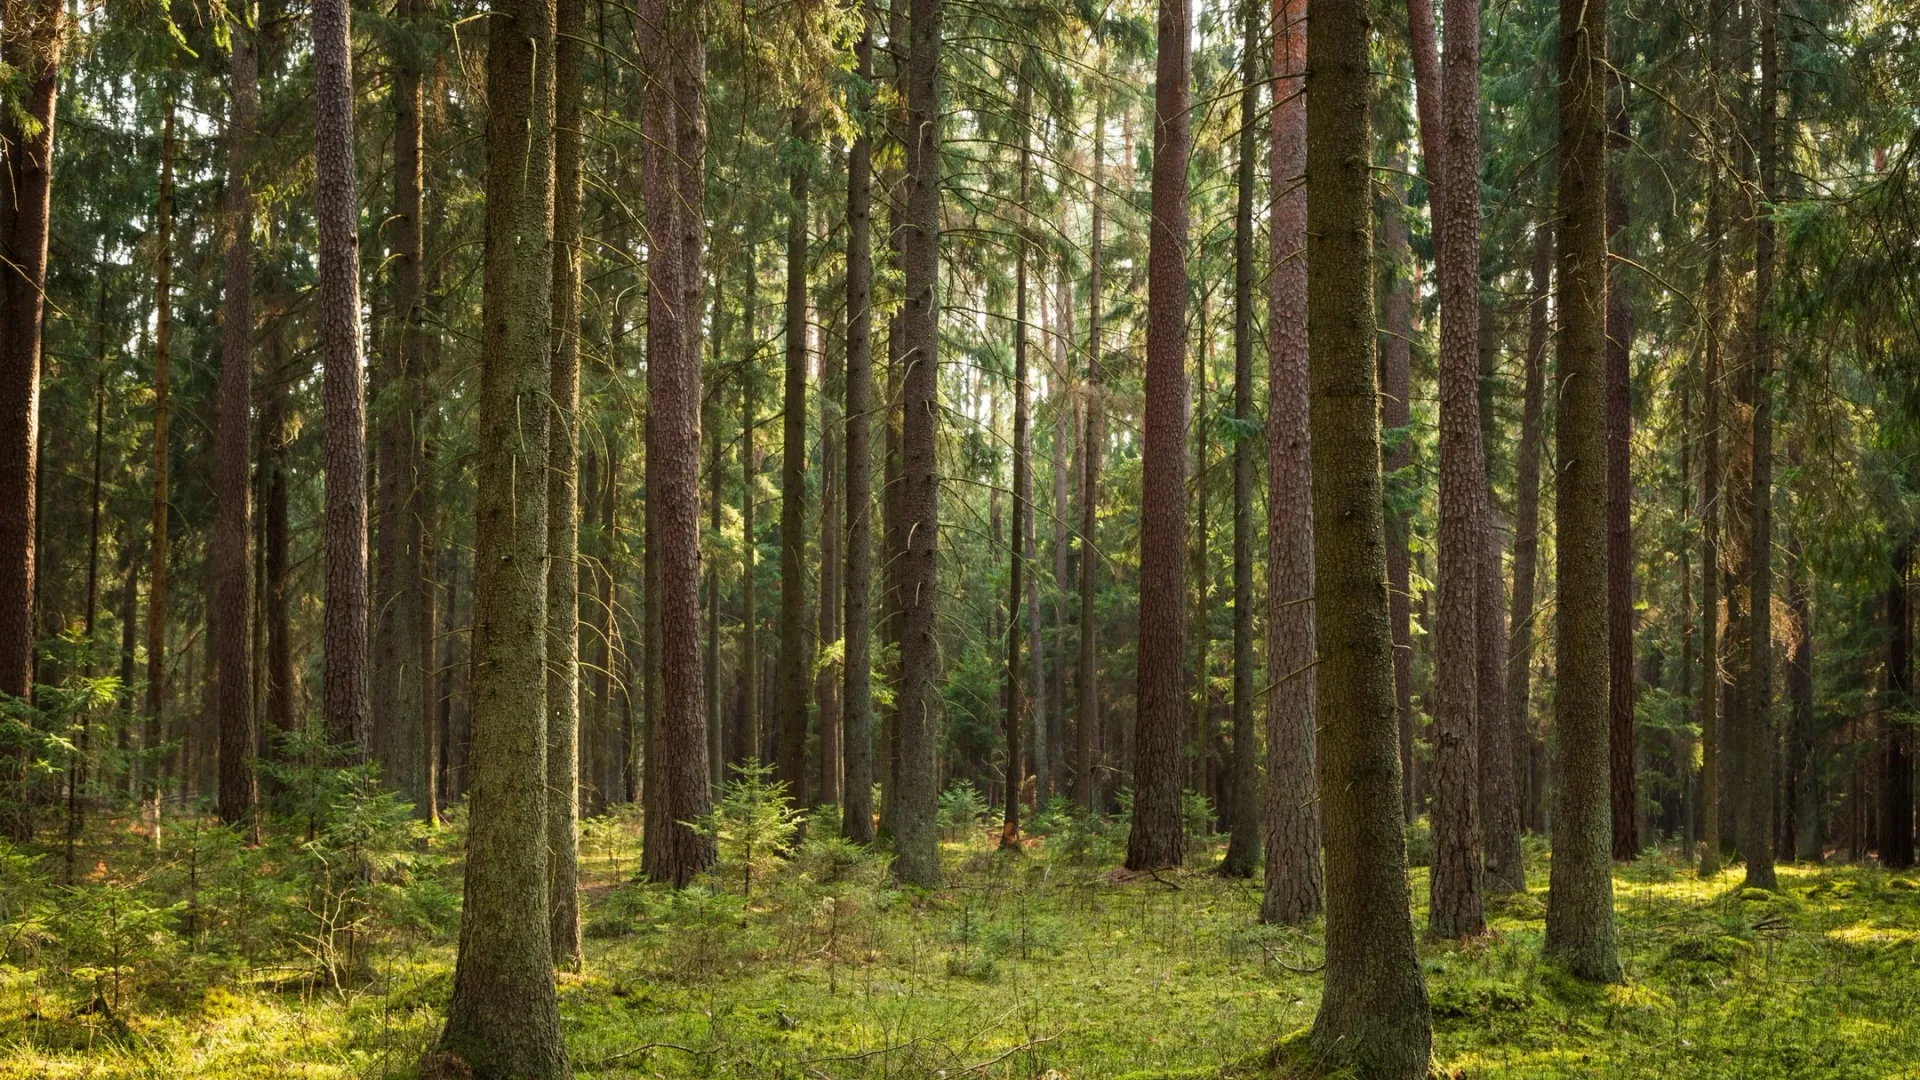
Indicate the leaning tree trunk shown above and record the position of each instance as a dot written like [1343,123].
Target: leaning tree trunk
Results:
[238,788]
[1580,929]
[916,855]
[1156,838]
[1293,809]
[344,709]
[1373,1013]
[563,495]
[856,815]
[503,1020]
[31,48]
[796,662]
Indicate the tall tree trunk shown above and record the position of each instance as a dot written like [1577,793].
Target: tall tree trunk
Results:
[1198,753]
[826,682]
[916,854]
[503,1020]
[238,790]
[710,429]
[1156,839]
[563,493]
[1093,437]
[129,630]
[1373,1014]
[1896,746]
[344,528]
[1708,708]
[1243,822]
[796,662]
[1758,752]
[1808,834]
[1396,415]
[856,816]
[1580,929]
[1623,787]
[1065,429]
[281,720]
[1294,887]
[750,740]
[31,48]
[149,765]
[1526,527]
[1016,716]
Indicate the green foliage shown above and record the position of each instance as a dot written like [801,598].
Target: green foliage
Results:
[962,808]
[753,825]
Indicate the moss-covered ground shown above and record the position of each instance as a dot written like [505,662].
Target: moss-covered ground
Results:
[1044,963]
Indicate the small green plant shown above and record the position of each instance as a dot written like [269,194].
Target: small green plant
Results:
[753,824]
[961,808]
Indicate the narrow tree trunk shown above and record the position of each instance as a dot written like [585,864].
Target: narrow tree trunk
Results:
[149,767]
[1373,1013]
[503,1020]
[1623,787]
[281,720]
[856,816]
[917,856]
[1396,415]
[1092,446]
[1708,709]
[1156,839]
[344,527]
[238,790]
[826,682]
[1199,636]
[1526,528]
[750,741]
[716,748]
[1580,928]
[1807,835]
[1065,429]
[1896,744]
[1022,493]
[795,660]
[1243,841]
[563,494]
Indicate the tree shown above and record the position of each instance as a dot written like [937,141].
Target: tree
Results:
[344,709]
[1526,524]
[1018,554]
[1896,750]
[796,661]
[1373,1013]
[1092,444]
[1396,415]
[856,816]
[31,47]
[154,731]
[1293,810]
[504,1020]
[1580,929]
[1620,689]
[1157,837]
[238,789]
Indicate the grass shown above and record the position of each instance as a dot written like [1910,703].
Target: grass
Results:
[1036,964]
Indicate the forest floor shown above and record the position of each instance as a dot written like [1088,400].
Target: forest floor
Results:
[1045,963]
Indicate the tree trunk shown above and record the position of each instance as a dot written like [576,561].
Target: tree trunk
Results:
[1016,715]
[1580,929]
[563,494]
[750,746]
[917,855]
[149,765]
[1499,807]
[1065,429]
[1620,689]
[1808,833]
[795,659]
[1294,888]
[856,816]
[30,48]
[1896,747]
[1526,528]
[1708,709]
[1199,636]
[826,681]
[238,790]
[1396,415]
[281,719]
[1373,1013]
[1093,444]
[1243,841]
[1156,839]
[503,1020]
[344,527]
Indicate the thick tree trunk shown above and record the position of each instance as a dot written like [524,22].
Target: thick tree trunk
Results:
[238,789]
[344,707]
[1293,807]
[1580,928]
[1373,1013]
[856,816]
[1156,838]
[1396,415]
[1526,530]
[1622,787]
[30,48]
[916,855]
[563,494]
[503,1020]
[1093,435]
[1243,820]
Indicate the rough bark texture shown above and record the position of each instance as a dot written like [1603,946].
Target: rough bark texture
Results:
[30,47]
[503,1020]
[153,734]
[856,816]
[1396,416]
[1526,530]
[563,495]
[1373,1012]
[1157,838]
[1580,928]
[1758,752]
[1092,446]
[1243,842]
[344,709]
[917,855]
[796,660]
[238,789]
[1620,684]
[1293,881]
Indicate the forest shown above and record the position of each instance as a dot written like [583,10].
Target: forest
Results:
[994,539]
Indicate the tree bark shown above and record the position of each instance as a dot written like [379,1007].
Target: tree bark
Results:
[1156,838]
[154,732]
[1016,716]
[238,789]
[1526,528]
[503,1020]
[856,816]
[1093,444]
[1711,680]
[1294,886]
[826,680]
[1580,928]
[1396,415]
[1808,833]
[796,661]
[750,746]
[1373,1013]
[916,855]
[1623,785]
[1896,745]
[344,706]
